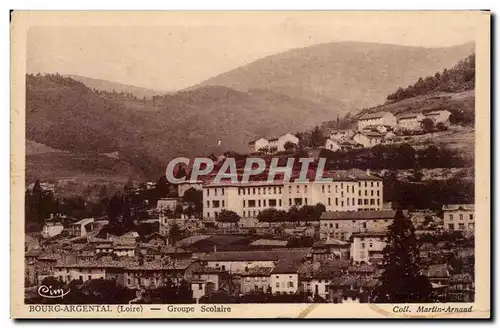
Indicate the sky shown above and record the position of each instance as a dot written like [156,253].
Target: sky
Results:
[171,54]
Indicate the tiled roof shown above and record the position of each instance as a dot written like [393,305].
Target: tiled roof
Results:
[371,116]
[437,271]
[287,266]
[372,134]
[241,256]
[455,207]
[408,116]
[358,215]
[461,278]
[269,242]
[363,268]
[257,271]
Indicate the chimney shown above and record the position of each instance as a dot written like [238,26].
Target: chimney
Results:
[215,248]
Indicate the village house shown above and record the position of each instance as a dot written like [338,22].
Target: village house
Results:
[340,135]
[368,138]
[285,277]
[277,143]
[366,245]
[439,116]
[410,121]
[461,288]
[341,225]
[52,228]
[241,261]
[323,275]
[351,289]
[83,227]
[378,118]
[330,249]
[255,279]
[206,280]
[458,217]
[332,145]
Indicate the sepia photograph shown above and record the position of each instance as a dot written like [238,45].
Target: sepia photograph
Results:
[204,164]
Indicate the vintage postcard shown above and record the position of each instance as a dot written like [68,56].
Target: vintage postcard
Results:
[170,164]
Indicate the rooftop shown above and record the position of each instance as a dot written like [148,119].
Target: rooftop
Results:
[359,215]
[371,116]
[247,256]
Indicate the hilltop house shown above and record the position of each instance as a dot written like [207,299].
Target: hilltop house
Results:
[410,121]
[366,246]
[342,134]
[52,228]
[378,118]
[276,142]
[439,116]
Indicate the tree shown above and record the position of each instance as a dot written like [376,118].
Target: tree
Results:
[441,126]
[289,146]
[226,216]
[175,234]
[402,280]
[271,215]
[427,125]
[194,196]
[317,138]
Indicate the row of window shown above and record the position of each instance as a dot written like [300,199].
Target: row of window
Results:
[279,190]
[363,224]
[461,217]
[216,203]
[258,190]
[460,226]
[256,279]
[289,284]
[261,203]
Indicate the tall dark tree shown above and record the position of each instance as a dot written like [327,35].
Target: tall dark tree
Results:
[194,196]
[402,280]
[317,138]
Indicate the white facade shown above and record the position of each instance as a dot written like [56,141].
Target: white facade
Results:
[278,142]
[459,217]
[332,145]
[362,244]
[410,122]
[239,266]
[51,229]
[380,118]
[70,273]
[439,116]
[368,139]
[284,283]
[248,200]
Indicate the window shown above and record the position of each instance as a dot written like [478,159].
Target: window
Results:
[348,202]
[290,284]
[290,189]
[364,225]
[331,225]
[259,202]
[371,184]
[215,191]
[378,192]
[341,185]
[336,201]
[359,192]
[329,189]
[215,204]
[208,214]
[253,191]
[244,213]
[272,202]
[289,201]
[461,225]
[366,192]
[223,204]
[208,204]
[208,192]
[305,201]
[200,286]
[451,217]
[336,225]
[274,190]
[264,190]
[258,191]
[251,203]
[305,189]
[243,191]
[362,245]
[371,244]
[372,192]
[450,226]
[216,213]
[323,189]
[297,201]
[329,201]
[298,189]
[365,201]
[222,191]
[471,216]
[244,203]
[360,201]
[264,202]
[461,216]
[280,202]
[372,201]
[277,285]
